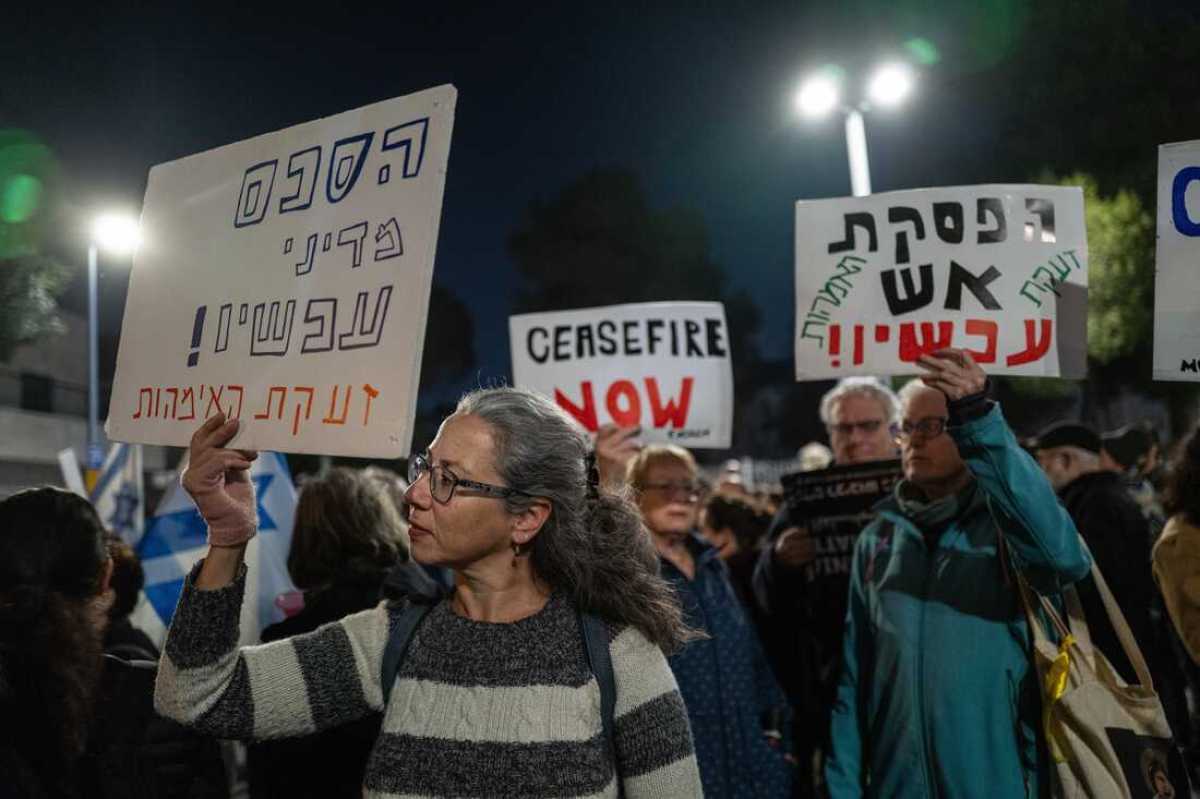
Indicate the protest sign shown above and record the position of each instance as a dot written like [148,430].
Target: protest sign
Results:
[285,280]
[662,366]
[839,491]
[998,270]
[1176,298]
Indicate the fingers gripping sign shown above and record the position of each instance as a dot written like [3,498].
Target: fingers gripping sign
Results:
[218,481]
[952,372]
[615,447]
[795,547]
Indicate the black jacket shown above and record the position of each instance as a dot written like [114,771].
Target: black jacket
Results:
[1118,536]
[132,752]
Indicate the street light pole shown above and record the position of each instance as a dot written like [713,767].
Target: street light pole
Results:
[95,454]
[856,150]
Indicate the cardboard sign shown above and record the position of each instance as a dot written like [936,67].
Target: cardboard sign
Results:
[662,366]
[285,280]
[840,491]
[998,270]
[1177,273]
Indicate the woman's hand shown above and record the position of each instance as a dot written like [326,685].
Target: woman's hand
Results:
[218,481]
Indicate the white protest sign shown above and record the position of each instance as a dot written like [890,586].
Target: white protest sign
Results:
[998,270]
[1177,272]
[285,280]
[663,366]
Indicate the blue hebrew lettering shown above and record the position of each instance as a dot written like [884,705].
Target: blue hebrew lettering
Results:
[363,333]
[345,164]
[354,235]
[388,242]
[310,253]
[255,195]
[271,332]
[223,322]
[304,166]
[323,311]
[403,137]
[1179,213]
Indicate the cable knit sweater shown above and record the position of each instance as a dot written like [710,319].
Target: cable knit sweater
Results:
[477,710]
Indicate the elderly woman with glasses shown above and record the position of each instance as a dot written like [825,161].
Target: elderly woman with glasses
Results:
[737,710]
[495,693]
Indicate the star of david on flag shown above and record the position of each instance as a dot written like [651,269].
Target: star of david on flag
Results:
[119,496]
[176,538]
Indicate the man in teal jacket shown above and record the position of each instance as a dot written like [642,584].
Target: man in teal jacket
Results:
[938,695]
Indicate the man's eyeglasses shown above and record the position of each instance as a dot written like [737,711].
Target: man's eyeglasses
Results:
[869,427]
[931,427]
[681,490]
[442,481]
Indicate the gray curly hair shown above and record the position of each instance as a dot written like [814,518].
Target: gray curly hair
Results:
[593,546]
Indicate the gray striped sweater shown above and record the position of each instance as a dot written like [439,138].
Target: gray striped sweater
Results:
[477,710]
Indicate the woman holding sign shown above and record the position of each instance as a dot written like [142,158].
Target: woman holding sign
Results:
[501,688]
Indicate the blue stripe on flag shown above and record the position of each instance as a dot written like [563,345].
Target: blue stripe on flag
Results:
[114,468]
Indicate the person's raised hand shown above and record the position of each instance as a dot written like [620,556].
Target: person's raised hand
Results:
[952,372]
[218,481]
[795,548]
[615,447]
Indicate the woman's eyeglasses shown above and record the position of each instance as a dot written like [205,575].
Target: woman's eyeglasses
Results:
[442,481]
[677,490]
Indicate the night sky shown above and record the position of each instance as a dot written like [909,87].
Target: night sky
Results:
[696,98]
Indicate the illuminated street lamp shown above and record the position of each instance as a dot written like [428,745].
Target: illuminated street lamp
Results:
[116,234]
[821,93]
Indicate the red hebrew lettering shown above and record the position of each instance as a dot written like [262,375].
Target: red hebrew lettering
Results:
[586,415]
[835,344]
[631,414]
[266,413]
[1035,347]
[989,330]
[858,345]
[241,392]
[675,415]
[157,398]
[150,392]
[174,392]
[307,408]
[214,398]
[371,393]
[910,350]
[190,397]
[882,333]
[329,418]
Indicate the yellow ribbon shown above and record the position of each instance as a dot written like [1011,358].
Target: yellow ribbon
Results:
[1056,686]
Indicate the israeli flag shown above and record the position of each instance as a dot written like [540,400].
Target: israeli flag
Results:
[119,496]
[176,538]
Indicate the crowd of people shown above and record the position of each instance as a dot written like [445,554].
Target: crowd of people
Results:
[540,612]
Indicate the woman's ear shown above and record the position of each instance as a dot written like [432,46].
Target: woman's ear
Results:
[528,523]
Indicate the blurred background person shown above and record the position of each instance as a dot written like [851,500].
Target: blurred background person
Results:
[735,528]
[802,609]
[1177,553]
[75,722]
[1132,452]
[347,539]
[122,638]
[738,713]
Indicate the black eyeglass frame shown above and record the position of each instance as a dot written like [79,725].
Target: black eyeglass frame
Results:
[420,464]
[672,490]
[929,427]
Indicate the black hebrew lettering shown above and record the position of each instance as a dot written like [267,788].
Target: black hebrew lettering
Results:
[1044,211]
[961,276]
[271,331]
[223,323]
[862,220]
[345,165]
[354,235]
[364,333]
[948,221]
[388,241]
[322,311]
[901,214]
[913,298]
[986,206]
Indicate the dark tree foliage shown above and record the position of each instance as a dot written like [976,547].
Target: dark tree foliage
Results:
[598,242]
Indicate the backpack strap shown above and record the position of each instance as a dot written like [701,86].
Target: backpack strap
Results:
[398,640]
[595,645]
